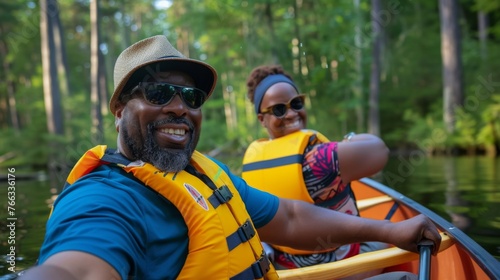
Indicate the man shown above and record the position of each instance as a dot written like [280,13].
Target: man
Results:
[157,209]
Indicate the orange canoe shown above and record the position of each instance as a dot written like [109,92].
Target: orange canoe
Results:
[459,257]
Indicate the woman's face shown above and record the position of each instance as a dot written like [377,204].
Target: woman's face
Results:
[292,121]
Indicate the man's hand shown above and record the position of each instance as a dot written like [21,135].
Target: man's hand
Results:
[408,233]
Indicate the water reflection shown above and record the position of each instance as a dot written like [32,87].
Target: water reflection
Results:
[454,202]
[464,191]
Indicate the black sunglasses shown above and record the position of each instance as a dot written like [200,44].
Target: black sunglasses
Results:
[161,94]
[279,110]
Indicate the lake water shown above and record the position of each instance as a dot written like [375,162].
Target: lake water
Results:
[464,191]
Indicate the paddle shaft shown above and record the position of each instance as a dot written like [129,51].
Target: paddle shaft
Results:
[425,249]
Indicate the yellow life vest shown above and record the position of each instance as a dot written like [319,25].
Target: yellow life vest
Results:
[275,166]
[219,227]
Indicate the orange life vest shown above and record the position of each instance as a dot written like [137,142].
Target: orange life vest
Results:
[219,227]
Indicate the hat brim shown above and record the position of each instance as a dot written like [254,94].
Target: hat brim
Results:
[204,75]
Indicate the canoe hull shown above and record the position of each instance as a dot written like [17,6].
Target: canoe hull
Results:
[459,258]
[456,262]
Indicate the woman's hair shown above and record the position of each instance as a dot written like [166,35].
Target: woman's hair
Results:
[260,73]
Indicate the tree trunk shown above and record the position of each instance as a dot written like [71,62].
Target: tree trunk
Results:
[270,24]
[48,9]
[452,63]
[374,117]
[358,81]
[125,27]
[103,84]
[14,119]
[482,19]
[52,96]
[229,103]
[297,43]
[95,71]
[61,57]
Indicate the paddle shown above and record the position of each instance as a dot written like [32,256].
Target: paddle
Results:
[425,249]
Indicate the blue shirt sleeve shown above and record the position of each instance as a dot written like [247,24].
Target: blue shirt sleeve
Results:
[117,219]
[261,206]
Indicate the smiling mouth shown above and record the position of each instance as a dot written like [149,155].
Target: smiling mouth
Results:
[172,131]
[293,124]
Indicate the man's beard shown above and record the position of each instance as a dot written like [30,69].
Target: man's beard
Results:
[165,159]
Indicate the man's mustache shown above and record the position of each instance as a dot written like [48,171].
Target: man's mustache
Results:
[172,120]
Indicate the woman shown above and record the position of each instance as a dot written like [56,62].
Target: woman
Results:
[303,164]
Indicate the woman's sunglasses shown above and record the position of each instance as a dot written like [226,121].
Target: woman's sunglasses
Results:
[279,110]
[161,94]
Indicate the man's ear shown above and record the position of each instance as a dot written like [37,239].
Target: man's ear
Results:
[118,115]
[117,123]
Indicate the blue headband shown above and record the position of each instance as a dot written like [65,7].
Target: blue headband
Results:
[265,84]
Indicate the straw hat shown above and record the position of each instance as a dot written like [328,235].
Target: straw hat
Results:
[143,59]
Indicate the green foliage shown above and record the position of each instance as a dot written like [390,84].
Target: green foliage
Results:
[427,133]
[489,133]
[326,46]
[466,129]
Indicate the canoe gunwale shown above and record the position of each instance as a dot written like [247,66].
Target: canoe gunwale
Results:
[484,259]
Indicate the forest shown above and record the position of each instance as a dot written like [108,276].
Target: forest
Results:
[424,75]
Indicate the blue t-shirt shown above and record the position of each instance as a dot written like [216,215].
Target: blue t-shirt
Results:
[110,214]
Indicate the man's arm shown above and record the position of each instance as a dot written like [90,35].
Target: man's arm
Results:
[304,226]
[72,265]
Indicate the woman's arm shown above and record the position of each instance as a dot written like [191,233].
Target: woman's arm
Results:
[363,155]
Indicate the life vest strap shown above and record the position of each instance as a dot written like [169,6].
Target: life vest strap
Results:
[263,164]
[244,233]
[220,196]
[113,157]
[337,198]
[256,271]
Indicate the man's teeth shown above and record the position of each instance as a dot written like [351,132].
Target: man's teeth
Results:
[174,131]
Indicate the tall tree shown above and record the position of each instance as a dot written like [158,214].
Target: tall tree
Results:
[453,88]
[482,20]
[11,104]
[60,53]
[95,72]
[52,96]
[377,28]
[51,91]
[358,66]
[268,17]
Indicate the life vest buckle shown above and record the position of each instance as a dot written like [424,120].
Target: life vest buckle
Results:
[261,266]
[223,194]
[244,233]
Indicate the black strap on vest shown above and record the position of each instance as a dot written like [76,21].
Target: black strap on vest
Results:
[256,271]
[111,156]
[263,164]
[220,196]
[244,233]
[337,198]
